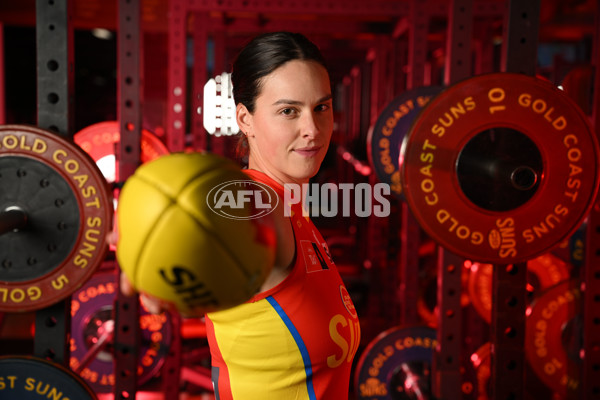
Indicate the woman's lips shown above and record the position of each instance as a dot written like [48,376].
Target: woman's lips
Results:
[308,151]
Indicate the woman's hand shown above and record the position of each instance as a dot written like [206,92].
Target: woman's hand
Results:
[152,304]
[126,286]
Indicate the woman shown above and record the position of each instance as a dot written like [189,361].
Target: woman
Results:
[297,338]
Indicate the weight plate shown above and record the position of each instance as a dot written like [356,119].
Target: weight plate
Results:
[30,378]
[542,272]
[576,246]
[397,365]
[578,84]
[391,127]
[427,301]
[553,338]
[478,383]
[499,168]
[99,140]
[52,212]
[481,362]
[92,316]
[67,206]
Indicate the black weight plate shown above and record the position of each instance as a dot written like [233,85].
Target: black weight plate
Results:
[68,217]
[397,364]
[30,378]
[91,312]
[392,126]
[52,219]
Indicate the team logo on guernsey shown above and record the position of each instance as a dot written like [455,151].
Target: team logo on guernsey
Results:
[347,300]
[242,199]
[313,257]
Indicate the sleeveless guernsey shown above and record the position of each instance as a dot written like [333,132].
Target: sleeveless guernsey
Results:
[295,341]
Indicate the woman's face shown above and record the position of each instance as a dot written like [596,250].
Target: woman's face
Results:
[292,123]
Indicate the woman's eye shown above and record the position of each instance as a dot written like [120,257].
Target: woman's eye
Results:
[322,107]
[287,111]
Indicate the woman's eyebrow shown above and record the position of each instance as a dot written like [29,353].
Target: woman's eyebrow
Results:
[287,101]
[296,102]
[326,98]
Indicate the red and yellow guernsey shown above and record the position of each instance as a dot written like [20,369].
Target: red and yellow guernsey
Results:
[295,341]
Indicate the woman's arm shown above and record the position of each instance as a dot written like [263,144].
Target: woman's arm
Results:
[285,250]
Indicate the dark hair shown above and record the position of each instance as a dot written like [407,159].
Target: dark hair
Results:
[261,56]
[264,54]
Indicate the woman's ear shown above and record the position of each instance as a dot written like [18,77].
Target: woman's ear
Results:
[243,119]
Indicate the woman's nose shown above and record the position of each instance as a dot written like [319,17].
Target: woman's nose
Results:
[310,126]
